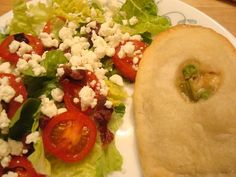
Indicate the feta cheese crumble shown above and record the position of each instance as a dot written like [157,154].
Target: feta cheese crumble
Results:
[48,107]
[57,94]
[32,137]
[6,91]
[117,79]
[87,98]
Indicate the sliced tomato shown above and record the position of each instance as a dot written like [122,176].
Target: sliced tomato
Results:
[19,88]
[22,166]
[72,88]
[70,136]
[54,24]
[125,65]
[13,57]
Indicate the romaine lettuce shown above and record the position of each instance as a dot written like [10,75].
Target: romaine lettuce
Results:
[39,160]
[146,13]
[32,18]
[29,19]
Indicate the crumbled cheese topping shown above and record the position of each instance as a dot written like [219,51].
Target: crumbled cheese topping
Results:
[48,107]
[87,98]
[10,174]
[6,91]
[32,137]
[19,99]
[133,20]
[47,40]
[117,79]
[5,67]
[4,121]
[57,94]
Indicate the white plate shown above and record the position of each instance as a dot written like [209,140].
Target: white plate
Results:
[178,12]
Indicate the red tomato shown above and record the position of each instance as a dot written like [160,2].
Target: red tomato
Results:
[70,136]
[72,88]
[19,89]
[53,24]
[13,57]
[125,65]
[22,167]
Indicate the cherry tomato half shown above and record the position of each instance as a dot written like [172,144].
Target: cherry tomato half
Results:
[19,88]
[22,166]
[125,65]
[13,57]
[70,136]
[72,88]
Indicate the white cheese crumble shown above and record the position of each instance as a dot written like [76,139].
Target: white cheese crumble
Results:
[19,99]
[133,20]
[4,120]
[4,148]
[48,107]
[14,46]
[10,174]
[61,110]
[127,49]
[5,161]
[5,67]
[23,49]
[117,79]
[47,40]
[57,94]
[66,33]
[16,147]
[32,137]
[108,104]
[6,91]
[60,72]
[87,98]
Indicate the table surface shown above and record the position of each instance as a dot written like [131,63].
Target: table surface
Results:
[223,11]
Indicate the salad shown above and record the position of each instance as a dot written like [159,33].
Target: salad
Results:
[63,69]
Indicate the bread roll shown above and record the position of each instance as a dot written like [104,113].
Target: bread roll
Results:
[178,137]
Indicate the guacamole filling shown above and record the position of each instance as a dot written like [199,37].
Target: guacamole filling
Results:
[197,84]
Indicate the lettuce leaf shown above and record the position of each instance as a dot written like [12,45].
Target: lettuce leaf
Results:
[29,19]
[78,10]
[146,13]
[24,118]
[116,94]
[98,163]
[32,18]
[51,62]
[39,160]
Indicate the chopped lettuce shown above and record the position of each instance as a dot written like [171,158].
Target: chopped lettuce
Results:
[81,10]
[51,62]
[29,19]
[39,160]
[146,13]
[98,163]
[24,118]
[32,18]
[116,94]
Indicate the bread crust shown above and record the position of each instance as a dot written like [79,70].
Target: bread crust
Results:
[177,138]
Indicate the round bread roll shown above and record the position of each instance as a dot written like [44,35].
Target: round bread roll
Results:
[179,137]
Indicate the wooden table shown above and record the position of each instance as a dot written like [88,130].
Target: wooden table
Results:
[223,11]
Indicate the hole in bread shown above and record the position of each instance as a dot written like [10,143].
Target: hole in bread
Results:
[196,81]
